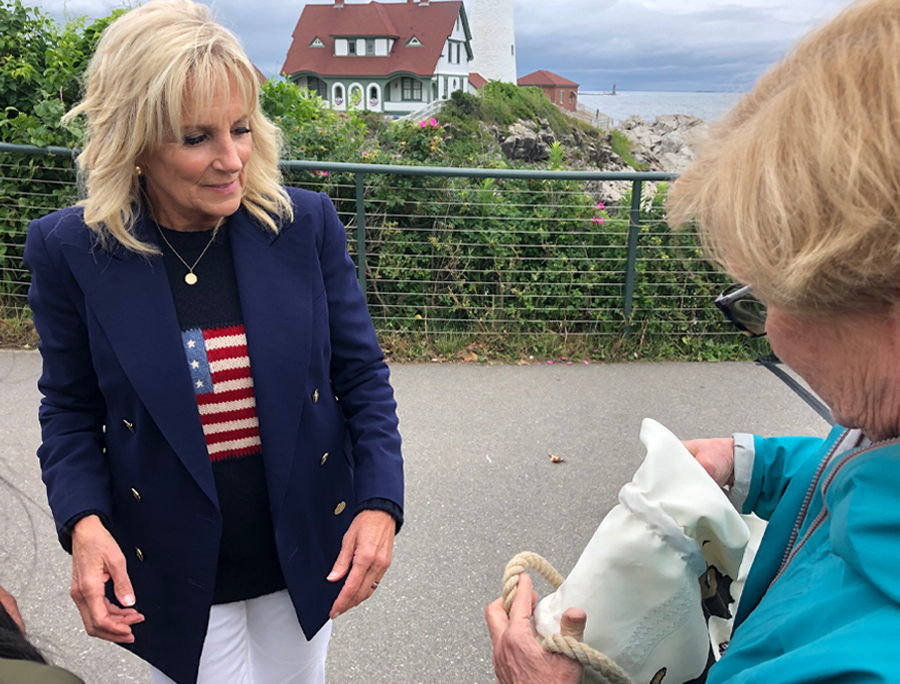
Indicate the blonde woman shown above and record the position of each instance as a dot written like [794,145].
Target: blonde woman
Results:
[798,197]
[220,442]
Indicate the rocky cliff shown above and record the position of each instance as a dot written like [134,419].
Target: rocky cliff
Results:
[667,144]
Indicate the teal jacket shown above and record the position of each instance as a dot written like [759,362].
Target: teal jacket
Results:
[822,601]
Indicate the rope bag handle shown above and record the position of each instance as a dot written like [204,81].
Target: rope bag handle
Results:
[570,647]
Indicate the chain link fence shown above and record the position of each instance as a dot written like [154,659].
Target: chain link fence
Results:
[490,253]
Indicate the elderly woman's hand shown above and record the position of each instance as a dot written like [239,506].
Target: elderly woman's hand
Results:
[716,456]
[367,546]
[518,657]
[9,603]
[96,558]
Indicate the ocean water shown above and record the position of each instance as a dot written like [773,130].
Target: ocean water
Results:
[649,105]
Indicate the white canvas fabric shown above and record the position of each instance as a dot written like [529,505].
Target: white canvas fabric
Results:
[659,563]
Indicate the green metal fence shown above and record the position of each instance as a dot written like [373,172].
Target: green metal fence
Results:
[450,251]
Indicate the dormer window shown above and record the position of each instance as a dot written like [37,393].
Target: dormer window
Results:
[351,47]
[414,42]
[370,47]
[316,42]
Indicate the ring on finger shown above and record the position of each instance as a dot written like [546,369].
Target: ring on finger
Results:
[374,585]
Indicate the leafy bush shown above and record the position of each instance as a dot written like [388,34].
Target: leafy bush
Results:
[41,66]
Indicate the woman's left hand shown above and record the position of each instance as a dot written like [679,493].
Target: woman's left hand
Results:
[367,547]
[518,657]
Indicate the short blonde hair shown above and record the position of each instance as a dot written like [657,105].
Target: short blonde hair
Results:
[147,64]
[797,190]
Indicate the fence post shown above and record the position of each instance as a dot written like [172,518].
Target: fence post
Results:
[360,230]
[634,227]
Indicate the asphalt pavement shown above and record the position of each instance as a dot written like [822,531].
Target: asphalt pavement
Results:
[480,488]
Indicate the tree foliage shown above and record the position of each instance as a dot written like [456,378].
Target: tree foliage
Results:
[41,69]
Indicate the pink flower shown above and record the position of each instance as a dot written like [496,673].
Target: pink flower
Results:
[563,358]
[432,121]
[568,363]
[598,220]
[423,123]
[586,362]
[324,173]
[600,205]
[550,363]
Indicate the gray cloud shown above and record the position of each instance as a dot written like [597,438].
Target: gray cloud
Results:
[654,45]
[638,44]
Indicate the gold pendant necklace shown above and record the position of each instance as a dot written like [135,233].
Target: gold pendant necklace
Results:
[190,277]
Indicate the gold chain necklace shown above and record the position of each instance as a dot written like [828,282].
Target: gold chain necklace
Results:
[190,277]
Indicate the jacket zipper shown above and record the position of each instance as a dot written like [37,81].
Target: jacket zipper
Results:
[792,550]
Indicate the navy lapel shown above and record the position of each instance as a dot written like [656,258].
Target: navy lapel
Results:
[131,299]
[274,275]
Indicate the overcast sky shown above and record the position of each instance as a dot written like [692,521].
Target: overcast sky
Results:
[716,45]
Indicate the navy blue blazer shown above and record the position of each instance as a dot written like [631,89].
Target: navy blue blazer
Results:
[122,433]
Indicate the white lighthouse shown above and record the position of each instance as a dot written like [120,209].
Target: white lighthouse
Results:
[493,40]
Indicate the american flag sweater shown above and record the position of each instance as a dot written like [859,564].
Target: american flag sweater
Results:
[215,348]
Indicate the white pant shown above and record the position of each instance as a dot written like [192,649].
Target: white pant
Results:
[258,641]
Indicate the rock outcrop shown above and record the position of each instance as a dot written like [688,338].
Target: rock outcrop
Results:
[527,141]
[667,144]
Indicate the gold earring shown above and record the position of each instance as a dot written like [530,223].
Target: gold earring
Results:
[137,170]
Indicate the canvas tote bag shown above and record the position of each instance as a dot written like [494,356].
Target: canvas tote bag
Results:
[663,561]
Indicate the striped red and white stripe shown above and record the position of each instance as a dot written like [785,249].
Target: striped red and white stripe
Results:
[228,413]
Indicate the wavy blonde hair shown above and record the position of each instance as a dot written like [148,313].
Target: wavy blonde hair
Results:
[797,190]
[148,65]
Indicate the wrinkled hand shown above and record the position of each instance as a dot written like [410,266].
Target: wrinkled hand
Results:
[9,603]
[96,558]
[716,456]
[518,657]
[367,547]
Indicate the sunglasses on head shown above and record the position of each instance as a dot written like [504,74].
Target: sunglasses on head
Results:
[743,309]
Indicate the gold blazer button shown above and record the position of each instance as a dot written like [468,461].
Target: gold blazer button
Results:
[340,508]
[136,494]
[128,424]
[315,396]
[139,554]
[323,459]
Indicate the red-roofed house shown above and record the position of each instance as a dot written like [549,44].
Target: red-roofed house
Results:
[394,58]
[559,90]
[476,82]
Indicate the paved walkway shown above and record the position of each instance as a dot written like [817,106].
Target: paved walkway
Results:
[480,488]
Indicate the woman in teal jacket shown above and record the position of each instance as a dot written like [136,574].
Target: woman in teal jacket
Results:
[822,601]
[797,197]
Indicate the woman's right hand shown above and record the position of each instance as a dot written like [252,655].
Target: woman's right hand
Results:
[97,558]
[716,456]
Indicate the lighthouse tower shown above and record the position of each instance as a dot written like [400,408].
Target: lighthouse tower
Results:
[493,40]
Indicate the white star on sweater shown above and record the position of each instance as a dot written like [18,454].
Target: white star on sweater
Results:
[191,344]
[199,383]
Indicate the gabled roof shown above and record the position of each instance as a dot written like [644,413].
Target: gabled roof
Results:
[542,77]
[432,23]
[259,75]
[477,81]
